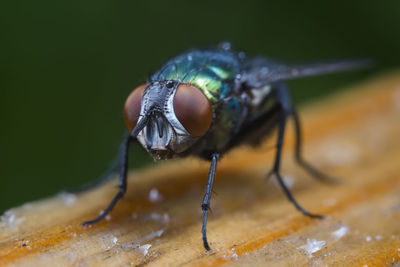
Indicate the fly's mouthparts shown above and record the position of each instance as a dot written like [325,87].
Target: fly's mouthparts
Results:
[161,154]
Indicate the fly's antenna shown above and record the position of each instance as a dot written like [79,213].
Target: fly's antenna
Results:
[142,123]
[157,117]
[159,126]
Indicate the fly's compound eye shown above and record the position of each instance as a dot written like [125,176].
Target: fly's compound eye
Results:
[132,107]
[193,109]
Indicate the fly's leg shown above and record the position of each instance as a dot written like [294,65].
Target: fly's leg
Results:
[205,205]
[122,182]
[110,173]
[100,180]
[285,101]
[299,157]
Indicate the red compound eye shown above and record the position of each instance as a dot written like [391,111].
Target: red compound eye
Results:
[132,107]
[193,109]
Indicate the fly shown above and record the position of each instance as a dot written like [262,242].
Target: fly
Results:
[205,102]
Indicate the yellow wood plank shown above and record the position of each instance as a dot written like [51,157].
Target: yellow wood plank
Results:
[353,135]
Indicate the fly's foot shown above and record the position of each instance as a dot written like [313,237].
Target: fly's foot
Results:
[291,198]
[96,220]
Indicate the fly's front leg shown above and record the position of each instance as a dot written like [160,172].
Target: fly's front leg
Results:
[284,99]
[122,181]
[205,205]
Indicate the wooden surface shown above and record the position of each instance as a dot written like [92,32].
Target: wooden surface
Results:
[354,135]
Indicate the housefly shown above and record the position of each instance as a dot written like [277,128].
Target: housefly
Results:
[205,102]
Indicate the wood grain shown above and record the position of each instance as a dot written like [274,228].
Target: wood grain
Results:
[353,135]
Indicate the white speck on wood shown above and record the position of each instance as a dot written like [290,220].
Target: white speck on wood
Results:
[10,220]
[69,199]
[339,233]
[312,246]
[108,242]
[144,249]
[155,196]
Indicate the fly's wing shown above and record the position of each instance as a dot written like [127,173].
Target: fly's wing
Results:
[259,71]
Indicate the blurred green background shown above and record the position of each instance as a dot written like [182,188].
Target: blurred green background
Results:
[67,67]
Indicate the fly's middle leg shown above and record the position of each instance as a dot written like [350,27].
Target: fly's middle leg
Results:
[122,183]
[108,175]
[285,101]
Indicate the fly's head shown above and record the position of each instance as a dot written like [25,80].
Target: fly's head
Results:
[167,117]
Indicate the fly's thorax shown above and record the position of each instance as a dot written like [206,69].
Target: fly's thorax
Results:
[175,116]
[257,95]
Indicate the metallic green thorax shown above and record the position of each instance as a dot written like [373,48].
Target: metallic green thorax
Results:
[213,72]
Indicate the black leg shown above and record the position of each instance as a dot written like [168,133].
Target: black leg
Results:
[205,206]
[110,173]
[276,168]
[299,157]
[122,183]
